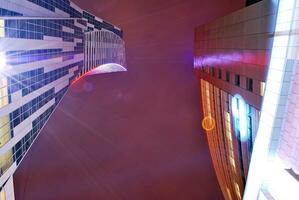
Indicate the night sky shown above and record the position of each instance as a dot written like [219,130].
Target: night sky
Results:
[134,135]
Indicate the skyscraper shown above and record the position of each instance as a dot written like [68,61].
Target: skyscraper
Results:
[232,58]
[246,64]
[45,46]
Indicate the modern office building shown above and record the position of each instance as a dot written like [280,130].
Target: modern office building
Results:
[44,46]
[246,64]
[231,64]
[247,68]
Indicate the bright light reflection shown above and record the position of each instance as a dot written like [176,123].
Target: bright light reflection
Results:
[240,116]
[280,184]
[108,68]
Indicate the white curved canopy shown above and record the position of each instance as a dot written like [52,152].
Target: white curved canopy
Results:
[108,68]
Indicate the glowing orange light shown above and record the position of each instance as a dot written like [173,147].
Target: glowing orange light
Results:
[208,123]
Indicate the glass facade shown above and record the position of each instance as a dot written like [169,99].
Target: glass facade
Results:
[239,47]
[44,46]
[229,151]
[261,124]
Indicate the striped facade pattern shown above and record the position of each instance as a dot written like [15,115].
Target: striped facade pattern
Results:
[45,46]
[103,47]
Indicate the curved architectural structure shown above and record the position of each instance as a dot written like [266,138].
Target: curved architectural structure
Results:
[108,68]
[102,47]
[44,46]
[247,65]
[231,63]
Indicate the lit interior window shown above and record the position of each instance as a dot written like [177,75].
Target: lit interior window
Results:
[262,88]
[230,142]
[4,130]
[3,92]
[232,162]
[2,29]
[237,189]
[240,117]
[227,125]
[2,195]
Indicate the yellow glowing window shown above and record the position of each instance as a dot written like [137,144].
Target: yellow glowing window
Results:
[227,115]
[3,100]
[229,134]
[2,195]
[1,23]
[2,30]
[6,160]
[3,92]
[231,148]
[227,124]
[262,88]
[237,189]
[4,130]
[232,162]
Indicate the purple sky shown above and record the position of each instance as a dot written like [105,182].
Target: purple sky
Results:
[133,135]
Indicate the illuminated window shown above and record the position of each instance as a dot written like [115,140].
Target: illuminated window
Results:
[240,117]
[6,160]
[262,89]
[230,142]
[232,162]
[2,29]
[2,195]
[249,128]
[3,92]
[4,130]
[237,189]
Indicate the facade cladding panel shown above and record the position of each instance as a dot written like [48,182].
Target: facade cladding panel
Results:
[232,55]
[274,168]
[42,52]
[103,47]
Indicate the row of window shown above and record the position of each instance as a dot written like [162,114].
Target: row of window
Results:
[33,80]
[214,99]
[236,78]
[16,59]
[40,24]
[38,28]
[23,112]
[23,145]
[5,12]
[65,6]
[99,25]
